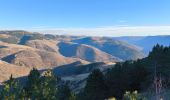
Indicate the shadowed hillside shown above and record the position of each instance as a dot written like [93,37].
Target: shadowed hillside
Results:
[32,57]
[85,52]
[116,48]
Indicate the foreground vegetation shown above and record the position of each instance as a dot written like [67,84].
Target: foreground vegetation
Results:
[129,80]
[37,87]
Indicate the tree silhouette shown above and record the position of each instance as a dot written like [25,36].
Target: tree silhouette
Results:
[95,88]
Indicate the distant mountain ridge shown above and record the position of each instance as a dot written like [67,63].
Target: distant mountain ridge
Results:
[146,42]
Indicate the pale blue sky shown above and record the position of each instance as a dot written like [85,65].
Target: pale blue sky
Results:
[76,14]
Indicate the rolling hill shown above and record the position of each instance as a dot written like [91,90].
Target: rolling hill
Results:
[7,69]
[113,47]
[32,57]
[85,52]
[69,55]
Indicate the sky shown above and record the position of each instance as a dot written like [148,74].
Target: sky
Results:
[87,17]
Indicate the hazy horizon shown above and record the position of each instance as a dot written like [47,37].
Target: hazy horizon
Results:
[103,31]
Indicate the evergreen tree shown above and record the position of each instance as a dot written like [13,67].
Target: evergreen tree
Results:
[37,87]
[64,93]
[129,75]
[95,88]
[133,96]
[72,96]
[33,84]
[10,90]
[48,86]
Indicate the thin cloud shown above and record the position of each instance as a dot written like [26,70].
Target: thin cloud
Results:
[109,31]
[119,30]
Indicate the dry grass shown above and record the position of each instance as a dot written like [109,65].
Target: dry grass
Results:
[7,69]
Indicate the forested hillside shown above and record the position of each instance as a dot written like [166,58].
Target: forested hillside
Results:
[132,76]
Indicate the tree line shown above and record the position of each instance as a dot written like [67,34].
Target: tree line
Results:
[127,77]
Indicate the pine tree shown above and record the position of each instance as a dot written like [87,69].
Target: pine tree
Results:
[10,90]
[48,86]
[64,93]
[133,96]
[95,88]
[33,84]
